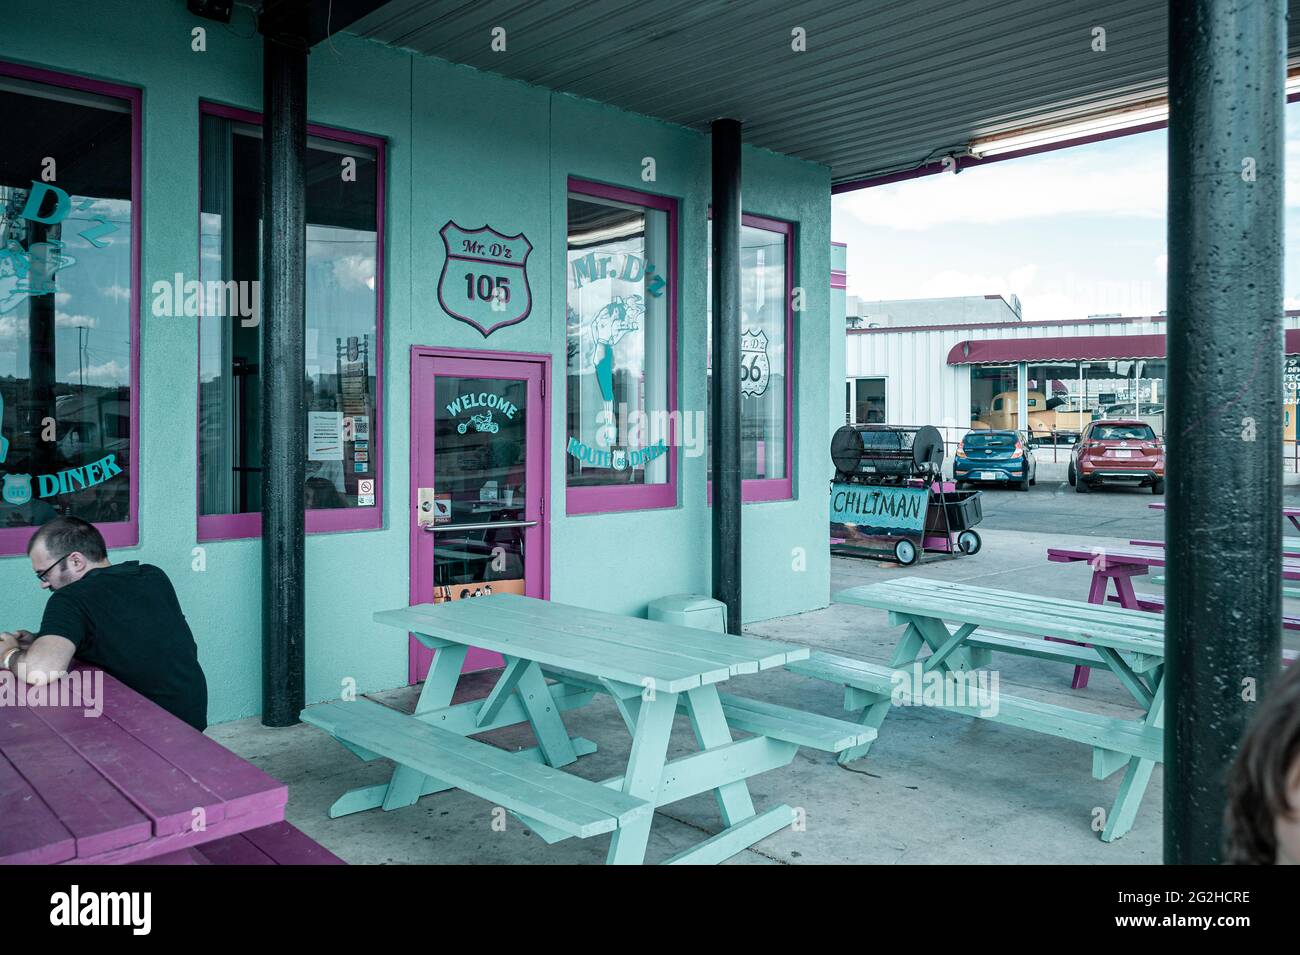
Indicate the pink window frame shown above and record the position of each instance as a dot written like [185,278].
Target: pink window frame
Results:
[631,497]
[214,527]
[13,540]
[757,490]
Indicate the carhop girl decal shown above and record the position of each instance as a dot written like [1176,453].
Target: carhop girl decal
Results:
[611,323]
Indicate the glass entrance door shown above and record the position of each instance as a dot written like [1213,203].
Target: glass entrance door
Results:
[478,509]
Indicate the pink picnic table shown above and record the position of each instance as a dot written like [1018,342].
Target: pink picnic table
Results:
[129,784]
[1121,567]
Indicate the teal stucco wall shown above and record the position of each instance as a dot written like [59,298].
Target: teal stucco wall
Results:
[476,148]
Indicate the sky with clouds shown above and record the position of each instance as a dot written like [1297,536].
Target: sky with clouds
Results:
[1074,232]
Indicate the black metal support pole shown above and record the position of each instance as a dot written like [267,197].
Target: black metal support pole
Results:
[1227,62]
[725,424]
[284,438]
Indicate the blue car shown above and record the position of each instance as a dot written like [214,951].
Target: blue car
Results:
[995,457]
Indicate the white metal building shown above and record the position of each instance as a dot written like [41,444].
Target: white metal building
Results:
[923,374]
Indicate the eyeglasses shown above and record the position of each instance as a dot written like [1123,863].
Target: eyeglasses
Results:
[40,574]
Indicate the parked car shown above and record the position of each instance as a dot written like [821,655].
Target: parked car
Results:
[1001,457]
[1118,451]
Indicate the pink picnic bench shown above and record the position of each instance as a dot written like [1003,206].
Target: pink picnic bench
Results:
[95,773]
[277,844]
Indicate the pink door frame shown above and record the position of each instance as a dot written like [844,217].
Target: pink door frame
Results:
[426,363]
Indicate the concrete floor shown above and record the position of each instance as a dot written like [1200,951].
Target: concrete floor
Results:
[936,788]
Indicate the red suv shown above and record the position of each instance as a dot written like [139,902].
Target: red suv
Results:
[1118,451]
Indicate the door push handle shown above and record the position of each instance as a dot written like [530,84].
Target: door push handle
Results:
[484,526]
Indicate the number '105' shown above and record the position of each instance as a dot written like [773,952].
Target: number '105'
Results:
[487,287]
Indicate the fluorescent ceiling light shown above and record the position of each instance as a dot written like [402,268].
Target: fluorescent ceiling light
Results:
[596,236]
[1109,121]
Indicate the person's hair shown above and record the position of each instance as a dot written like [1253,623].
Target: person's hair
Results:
[1257,783]
[63,535]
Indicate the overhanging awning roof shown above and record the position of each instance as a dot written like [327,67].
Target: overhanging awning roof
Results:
[882,87]
[1009,351]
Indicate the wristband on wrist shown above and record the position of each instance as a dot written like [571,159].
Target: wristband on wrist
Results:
[9,656]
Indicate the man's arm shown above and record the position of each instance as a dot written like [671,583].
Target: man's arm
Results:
[36,660]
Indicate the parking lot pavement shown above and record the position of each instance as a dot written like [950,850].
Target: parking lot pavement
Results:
[1053,506]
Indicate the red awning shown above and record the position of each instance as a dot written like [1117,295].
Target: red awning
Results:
[1008,351]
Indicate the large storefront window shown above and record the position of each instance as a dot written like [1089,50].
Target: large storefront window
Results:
[68,304]
[621,294]
[766,367]
[1065,396]
[994,401]
[1133,388]
[343,347]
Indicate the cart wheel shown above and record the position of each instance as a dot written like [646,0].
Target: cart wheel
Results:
[905,553]
[968,542]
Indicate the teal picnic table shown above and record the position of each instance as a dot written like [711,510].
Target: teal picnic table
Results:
[962,626]
[650,669]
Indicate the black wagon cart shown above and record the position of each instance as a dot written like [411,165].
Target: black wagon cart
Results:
[889,499]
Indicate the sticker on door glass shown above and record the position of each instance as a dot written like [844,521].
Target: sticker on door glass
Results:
[366,492]
[479,412]
[356,428]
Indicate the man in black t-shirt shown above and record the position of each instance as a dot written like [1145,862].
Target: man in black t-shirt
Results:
[123,618]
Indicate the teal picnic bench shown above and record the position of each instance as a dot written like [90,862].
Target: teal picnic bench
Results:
[650,669]
[948,620]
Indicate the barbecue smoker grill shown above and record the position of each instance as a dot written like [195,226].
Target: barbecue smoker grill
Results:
[889,497]
[884,454]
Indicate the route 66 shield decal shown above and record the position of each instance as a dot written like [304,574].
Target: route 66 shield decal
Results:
[484,280]
[755,370]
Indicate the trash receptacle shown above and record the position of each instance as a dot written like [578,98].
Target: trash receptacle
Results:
[690,610]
